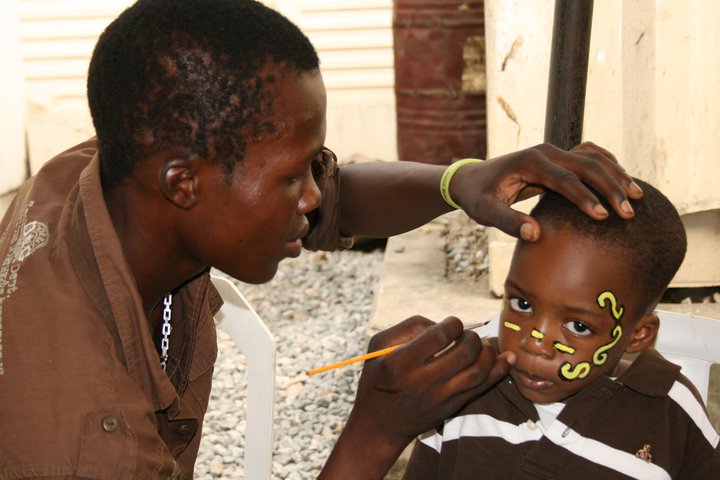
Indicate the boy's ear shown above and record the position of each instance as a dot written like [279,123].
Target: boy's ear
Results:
[643,333]
[178,180]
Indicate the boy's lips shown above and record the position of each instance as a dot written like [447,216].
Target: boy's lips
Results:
[532,382]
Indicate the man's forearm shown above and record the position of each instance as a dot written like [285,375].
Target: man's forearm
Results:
[389,198]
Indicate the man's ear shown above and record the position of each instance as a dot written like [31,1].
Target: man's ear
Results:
[643,333]
[178,180]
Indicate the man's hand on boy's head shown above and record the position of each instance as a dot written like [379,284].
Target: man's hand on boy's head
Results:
[439,368]
[524,174]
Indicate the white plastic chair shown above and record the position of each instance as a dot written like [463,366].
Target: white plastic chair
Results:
[255,341]
[690,341]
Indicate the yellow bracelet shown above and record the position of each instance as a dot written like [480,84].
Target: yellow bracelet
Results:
[447,176]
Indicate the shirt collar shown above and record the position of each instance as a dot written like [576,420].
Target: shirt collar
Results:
[120,296]
[650,374]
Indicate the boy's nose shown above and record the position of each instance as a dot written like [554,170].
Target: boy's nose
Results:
[536,342]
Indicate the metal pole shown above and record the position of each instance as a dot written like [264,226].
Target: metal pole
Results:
[568,72]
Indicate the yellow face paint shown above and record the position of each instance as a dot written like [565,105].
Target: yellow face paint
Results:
[511,326]
[581,370]
[537,334]
[617,312]
[600,356]
[563,348]
[568,372]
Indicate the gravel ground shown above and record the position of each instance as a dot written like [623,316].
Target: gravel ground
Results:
[466,248]
[317,307]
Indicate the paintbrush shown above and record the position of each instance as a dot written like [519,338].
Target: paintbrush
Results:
[381,352]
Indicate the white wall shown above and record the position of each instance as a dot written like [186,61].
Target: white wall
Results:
[353,38]
[355,43]
[12,114]
[57,39]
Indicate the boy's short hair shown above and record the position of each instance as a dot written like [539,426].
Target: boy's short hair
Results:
[189,73]
[653,243]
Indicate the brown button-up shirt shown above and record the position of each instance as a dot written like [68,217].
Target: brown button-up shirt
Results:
[82,393]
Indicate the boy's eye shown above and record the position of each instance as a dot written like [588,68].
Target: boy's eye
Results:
[578,328]
[520,305]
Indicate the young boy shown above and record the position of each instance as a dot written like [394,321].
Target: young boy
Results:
[575,302]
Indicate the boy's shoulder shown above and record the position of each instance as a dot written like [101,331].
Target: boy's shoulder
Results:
[653,375]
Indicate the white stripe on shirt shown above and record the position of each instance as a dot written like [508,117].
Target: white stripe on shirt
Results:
[687,401]
[482,426]
[562,436]
[603,454]
[558,433]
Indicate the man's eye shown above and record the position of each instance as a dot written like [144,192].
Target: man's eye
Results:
[578,328]
[301,177]
[520,305]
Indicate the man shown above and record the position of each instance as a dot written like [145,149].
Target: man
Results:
[210,121]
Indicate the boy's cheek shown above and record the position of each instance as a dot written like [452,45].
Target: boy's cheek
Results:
[506,342]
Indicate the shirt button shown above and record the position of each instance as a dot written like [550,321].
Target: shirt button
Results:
[109,423]
[531,425]
[184,429]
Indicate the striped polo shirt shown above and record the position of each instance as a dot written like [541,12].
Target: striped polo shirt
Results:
[647,424]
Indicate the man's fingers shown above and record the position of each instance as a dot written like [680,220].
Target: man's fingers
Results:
[475,379]
[569,173]
[508,220]
[402,332]
[592,147]
[462,353]
[594,166]
[432,341]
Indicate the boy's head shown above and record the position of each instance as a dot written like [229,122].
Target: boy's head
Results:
[193,75]
[584,294]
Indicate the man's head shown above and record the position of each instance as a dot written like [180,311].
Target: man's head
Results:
[209,115]
[195,75]
[584,294]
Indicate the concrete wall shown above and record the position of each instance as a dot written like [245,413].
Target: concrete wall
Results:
[653,99]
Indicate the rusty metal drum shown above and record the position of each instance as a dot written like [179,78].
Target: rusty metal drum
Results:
[440,83]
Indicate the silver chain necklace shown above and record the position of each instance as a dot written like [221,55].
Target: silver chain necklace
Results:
[166,330]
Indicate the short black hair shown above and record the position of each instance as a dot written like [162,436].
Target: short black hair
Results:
[188,73]
[653,243]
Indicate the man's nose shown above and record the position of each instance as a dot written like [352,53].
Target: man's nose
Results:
[311,197]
